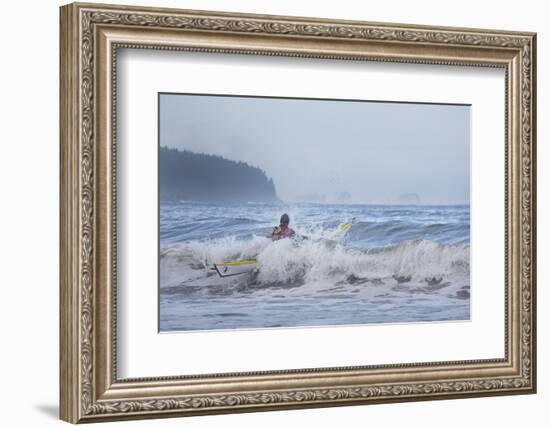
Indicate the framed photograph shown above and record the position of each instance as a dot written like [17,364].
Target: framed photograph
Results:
[266,212]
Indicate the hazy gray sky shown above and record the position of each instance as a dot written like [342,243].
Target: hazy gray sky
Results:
[375,151]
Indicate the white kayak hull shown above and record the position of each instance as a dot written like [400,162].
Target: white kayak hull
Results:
[233,268]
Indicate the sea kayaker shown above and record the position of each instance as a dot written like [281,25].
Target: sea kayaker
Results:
[282,231]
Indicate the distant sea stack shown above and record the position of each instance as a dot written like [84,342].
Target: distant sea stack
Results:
[409,199]
[185,175]
[344,197]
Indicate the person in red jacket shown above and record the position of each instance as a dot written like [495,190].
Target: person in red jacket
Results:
[282,231]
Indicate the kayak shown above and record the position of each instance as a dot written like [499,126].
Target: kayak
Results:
[234,268]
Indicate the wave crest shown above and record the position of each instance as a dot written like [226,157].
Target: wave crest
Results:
[315,263]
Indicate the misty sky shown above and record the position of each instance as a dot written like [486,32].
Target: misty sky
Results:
[375,151]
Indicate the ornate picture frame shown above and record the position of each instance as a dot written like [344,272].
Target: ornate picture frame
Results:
[91,34]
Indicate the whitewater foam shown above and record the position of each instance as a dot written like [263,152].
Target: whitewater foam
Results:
[316,262]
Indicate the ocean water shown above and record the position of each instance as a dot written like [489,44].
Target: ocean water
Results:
[396,264]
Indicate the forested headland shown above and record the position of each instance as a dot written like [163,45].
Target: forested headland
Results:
[185,175]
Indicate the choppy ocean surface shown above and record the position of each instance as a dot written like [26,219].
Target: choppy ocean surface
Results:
[396,264]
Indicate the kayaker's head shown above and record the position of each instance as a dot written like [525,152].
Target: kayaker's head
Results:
[284,220]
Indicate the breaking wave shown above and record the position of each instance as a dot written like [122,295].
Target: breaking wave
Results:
[315,263]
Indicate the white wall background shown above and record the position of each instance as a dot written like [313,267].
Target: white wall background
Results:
[29,171]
